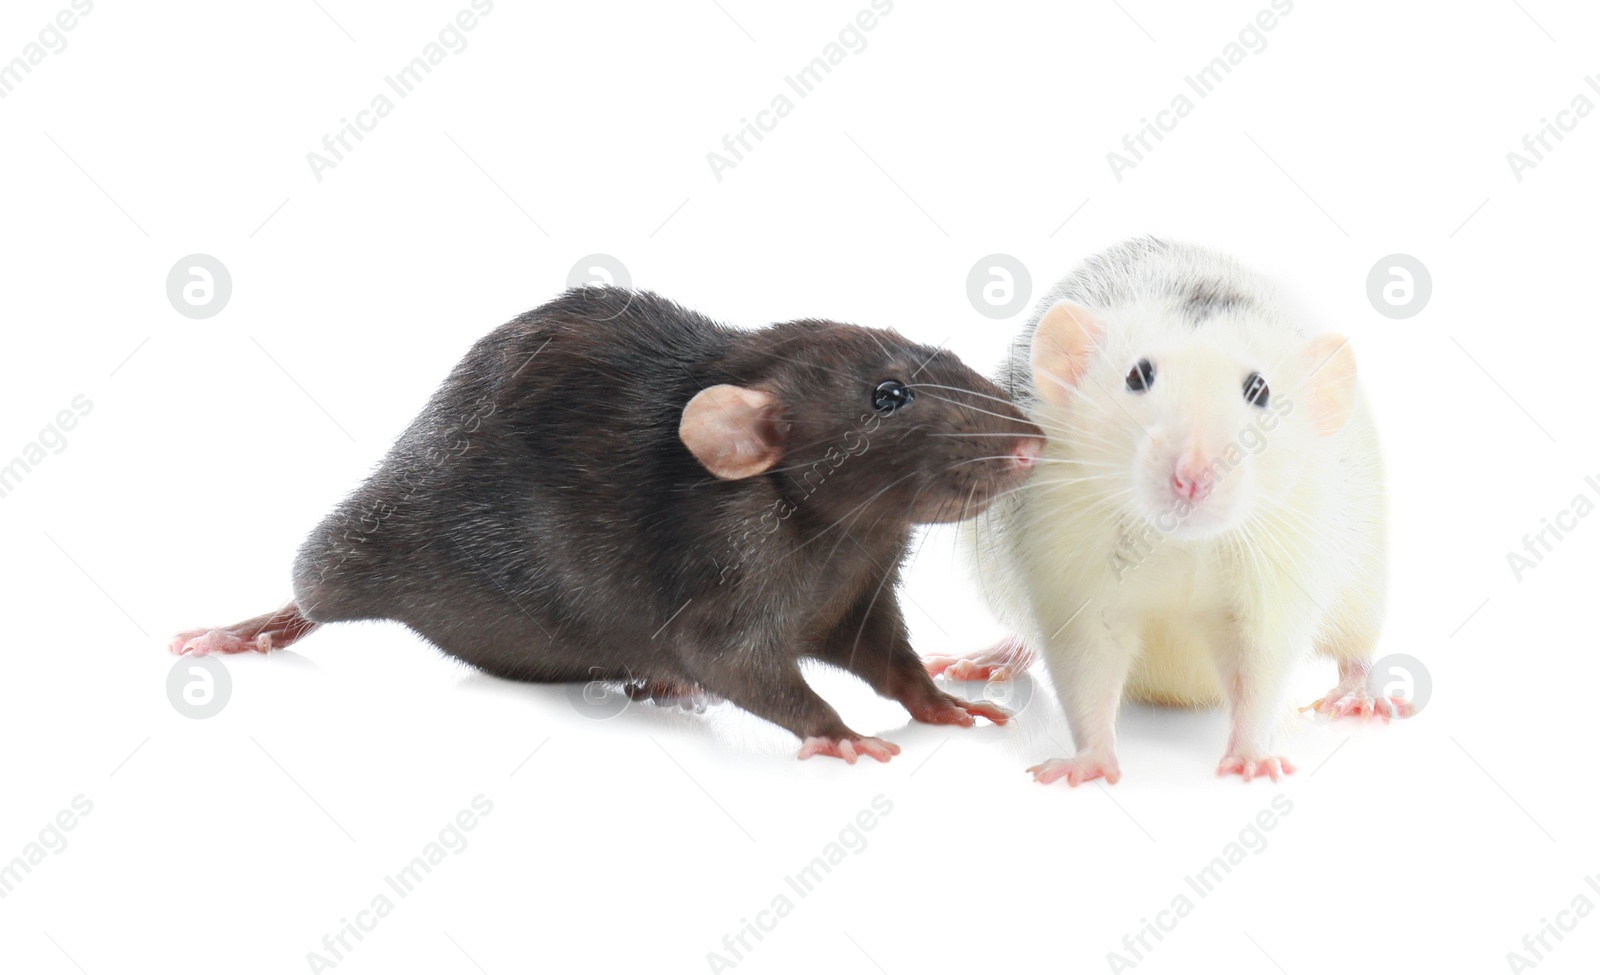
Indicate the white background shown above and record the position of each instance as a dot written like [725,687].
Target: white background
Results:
[637,843]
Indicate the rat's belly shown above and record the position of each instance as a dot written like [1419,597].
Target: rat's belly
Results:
[1177,667]
[1181,610]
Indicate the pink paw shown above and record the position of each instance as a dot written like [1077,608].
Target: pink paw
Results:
[969,668]
[849,749]
[953,710]
[198,643]
[1077,770]
[1003,661]
[1358,702]
[1261,766]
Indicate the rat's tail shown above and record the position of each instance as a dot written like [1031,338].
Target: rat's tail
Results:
[271,631]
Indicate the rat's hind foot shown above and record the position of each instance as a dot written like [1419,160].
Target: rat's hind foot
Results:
[1358,702]
[849,748]
[1083,768]
[199,643]
[262,634]
[1353,697]
[1255,766]
[1005,660]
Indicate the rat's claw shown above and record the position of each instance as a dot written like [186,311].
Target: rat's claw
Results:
[1393,706]
[1358,705]
[849,748]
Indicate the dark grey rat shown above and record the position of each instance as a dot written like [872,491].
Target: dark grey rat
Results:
[612,487]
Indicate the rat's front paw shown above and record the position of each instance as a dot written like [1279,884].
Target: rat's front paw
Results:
[953,710]
[849,748]
[1250,766]
[1084,767]
[1005,660]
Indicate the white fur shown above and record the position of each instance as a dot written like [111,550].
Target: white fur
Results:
[1285,555]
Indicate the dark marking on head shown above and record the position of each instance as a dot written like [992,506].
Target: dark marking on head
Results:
[1208,298]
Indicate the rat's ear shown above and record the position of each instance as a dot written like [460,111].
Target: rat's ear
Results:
[734,431]
[1062,347]
[1331,387]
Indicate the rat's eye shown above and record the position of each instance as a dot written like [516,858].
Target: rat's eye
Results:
[1255,390]
[891,395]
[1142,376]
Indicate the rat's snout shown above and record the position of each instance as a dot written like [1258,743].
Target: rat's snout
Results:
[1190,489]
[1027,453]
[1192,475]
[1191,481]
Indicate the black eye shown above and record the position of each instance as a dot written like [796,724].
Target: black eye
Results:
[891,395]
[1255,390]
[1142,376]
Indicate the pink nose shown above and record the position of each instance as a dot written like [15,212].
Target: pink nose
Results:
[1191,481]
[1027,453]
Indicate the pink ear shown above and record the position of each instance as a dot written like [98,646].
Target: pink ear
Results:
[1331,388]
[1063,345]
[734,431]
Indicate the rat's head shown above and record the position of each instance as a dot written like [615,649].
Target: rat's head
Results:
[1191,427]
[857,422]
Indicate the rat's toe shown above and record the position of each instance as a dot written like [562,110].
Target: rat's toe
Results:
[1353,699]
[200,643]
[1000,662]
[848,748]
[1082,768]
[1249,767]
[949,709]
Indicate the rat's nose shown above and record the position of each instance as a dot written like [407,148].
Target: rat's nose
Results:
[1191,480]
[1027,453]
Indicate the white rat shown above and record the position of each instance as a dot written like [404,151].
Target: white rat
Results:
[1208,508]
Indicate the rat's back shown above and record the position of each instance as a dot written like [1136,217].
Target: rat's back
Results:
[525,481]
